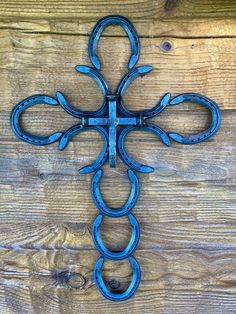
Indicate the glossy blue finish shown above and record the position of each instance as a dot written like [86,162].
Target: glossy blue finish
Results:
[103,156]
[127,159]
[100,246]
[15,120]
[105,120]
[115,212]
[215,118]
[97,275]
[97,31]
[112,104]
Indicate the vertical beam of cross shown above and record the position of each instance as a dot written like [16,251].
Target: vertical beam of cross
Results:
[112,121]
[112,103]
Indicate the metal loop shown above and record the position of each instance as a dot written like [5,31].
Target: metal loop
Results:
[103,156]
[130,162]
[115,212]
[100,246]
[97,31]
[22,106]
[215,115]
[97,273]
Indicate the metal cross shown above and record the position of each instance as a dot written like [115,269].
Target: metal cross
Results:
[105,120]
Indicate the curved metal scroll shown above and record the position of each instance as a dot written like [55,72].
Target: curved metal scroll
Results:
[97,274]
[97,31]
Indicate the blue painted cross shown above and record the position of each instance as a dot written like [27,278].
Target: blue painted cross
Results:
[105,120]
[106,115]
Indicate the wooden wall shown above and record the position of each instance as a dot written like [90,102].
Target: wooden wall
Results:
[187,207]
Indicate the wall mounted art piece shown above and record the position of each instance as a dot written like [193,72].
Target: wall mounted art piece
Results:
[111,115]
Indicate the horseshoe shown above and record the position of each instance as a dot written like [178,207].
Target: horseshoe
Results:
[97,273]
[99,79]
[135,165]
[22,106]
[158,108]
[96,34]
[103,156]
[111,212]
[129,77]
[215,115]
[100,246]
[125,82]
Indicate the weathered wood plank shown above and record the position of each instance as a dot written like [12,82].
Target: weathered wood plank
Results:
[187,207]
[33,63]
[155,236]
[61,281]
[217,27]
[210,172]
[140,9]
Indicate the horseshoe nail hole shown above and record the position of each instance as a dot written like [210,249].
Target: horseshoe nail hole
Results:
[166,46]
[116,233]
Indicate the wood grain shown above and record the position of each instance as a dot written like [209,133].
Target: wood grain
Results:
[191,183]
[54,281]
[154,236]
[137,9]
[187,206]
[162,18]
